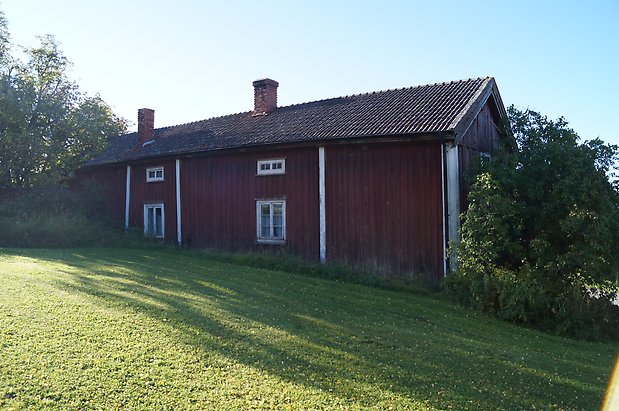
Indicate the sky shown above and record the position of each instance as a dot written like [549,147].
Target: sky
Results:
[192,60]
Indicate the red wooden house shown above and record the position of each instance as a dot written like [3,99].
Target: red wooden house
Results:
[371,180]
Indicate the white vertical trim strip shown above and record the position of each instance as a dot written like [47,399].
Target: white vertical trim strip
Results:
[453,200]
[127,196]
[443,208]
[178,202]
[322,201]
[145,219]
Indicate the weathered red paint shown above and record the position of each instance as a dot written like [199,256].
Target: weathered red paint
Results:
[219,194]
[143,193]
[384,208]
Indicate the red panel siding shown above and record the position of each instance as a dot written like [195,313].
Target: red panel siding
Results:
[384,203]
[219,196]
[384,208]
[155,192]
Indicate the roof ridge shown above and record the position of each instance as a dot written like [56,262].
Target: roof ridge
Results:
[330,99]
[486,80]
[414,110]
[203,120]
[388,90]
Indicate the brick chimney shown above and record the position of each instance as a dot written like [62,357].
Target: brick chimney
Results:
[146,125]
[265,96]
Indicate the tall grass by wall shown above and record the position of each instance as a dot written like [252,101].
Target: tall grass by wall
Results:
[331,270]
[54,216]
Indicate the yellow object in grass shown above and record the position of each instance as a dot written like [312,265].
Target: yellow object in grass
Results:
[611,401]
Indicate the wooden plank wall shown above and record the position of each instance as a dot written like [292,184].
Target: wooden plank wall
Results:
[154,192]
[384,208]
[481,137]
[219,194]
[384,203]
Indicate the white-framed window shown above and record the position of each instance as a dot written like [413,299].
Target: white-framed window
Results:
[271,221]
[485,156]
[154,220]
[154,174]
[274,166]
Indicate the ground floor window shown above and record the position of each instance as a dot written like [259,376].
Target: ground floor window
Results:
[154,220]
[271,221]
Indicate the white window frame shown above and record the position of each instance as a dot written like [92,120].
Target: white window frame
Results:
[270,167]
[154,170]
[484,156]
[154,206]
[270,239]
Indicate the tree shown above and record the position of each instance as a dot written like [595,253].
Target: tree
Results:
[47,126]
[542,231]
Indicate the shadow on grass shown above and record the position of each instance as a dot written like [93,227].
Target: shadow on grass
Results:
[355,342]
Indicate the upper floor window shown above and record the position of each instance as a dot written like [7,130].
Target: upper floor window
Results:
[485,157]
[154,174]
[275,166]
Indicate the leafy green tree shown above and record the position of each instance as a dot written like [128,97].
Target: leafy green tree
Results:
[47,126]
[4,37]
[542,231]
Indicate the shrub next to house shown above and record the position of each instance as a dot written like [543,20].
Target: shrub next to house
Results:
[542,231]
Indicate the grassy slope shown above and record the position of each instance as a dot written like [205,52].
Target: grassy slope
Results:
[138,329]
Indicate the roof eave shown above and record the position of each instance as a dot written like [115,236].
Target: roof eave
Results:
[440,135]
[464,120]
[468,113]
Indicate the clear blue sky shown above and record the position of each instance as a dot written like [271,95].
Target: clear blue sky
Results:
[191,60]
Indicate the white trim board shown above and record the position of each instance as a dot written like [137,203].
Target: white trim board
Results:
[453,199]
[178,203]
[443,148]
[322,202]
[127,196]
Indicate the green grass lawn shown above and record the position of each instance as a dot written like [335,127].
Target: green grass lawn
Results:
[164,329]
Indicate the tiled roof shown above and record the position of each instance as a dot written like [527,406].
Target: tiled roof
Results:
[425,109]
